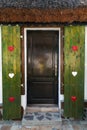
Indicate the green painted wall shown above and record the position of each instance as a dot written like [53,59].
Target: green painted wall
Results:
[11,72]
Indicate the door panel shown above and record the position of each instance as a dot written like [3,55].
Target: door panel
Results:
[11,65]
[74,49]
[42,64]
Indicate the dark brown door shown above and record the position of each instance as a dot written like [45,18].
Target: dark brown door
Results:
[42,67]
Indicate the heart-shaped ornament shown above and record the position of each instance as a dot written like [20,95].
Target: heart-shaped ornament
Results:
[11,75]
[11,48]
[75,48]
[11,99]
[74,73]
[73,98]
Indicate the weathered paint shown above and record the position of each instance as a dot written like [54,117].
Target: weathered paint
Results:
[11,64]
[74,50]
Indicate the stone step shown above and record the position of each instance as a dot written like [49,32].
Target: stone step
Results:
[42,128]
[42,119]
[42,109]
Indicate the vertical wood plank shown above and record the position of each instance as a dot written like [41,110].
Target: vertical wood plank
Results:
[74,62]
[11,65]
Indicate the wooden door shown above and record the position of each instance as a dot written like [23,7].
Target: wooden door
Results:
[11,72]
[42,67]
[74,45]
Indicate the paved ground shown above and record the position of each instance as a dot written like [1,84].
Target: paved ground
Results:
[73,125]
[66,125]
[50,122]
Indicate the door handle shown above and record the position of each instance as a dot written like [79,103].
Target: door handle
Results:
[22,89]
[22,85]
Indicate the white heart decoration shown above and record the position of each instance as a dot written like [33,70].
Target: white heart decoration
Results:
[11,75]
[74,73]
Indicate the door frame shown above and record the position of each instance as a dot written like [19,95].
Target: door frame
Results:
[24,97]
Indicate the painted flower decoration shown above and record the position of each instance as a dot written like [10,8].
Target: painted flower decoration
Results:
[11,99]
[73,98]
[74,73]
[11,48]
[75,48]
[11,75]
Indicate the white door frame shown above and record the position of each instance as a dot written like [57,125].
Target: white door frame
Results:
[1,92]
[24,97]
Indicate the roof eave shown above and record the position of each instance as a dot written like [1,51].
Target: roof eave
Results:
[43,15]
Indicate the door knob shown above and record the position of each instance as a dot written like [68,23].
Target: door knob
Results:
[22,85]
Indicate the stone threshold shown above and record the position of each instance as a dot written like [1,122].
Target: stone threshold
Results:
[41,108]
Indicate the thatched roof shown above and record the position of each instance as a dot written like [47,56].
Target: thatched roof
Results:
[43,11]
[43,3]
